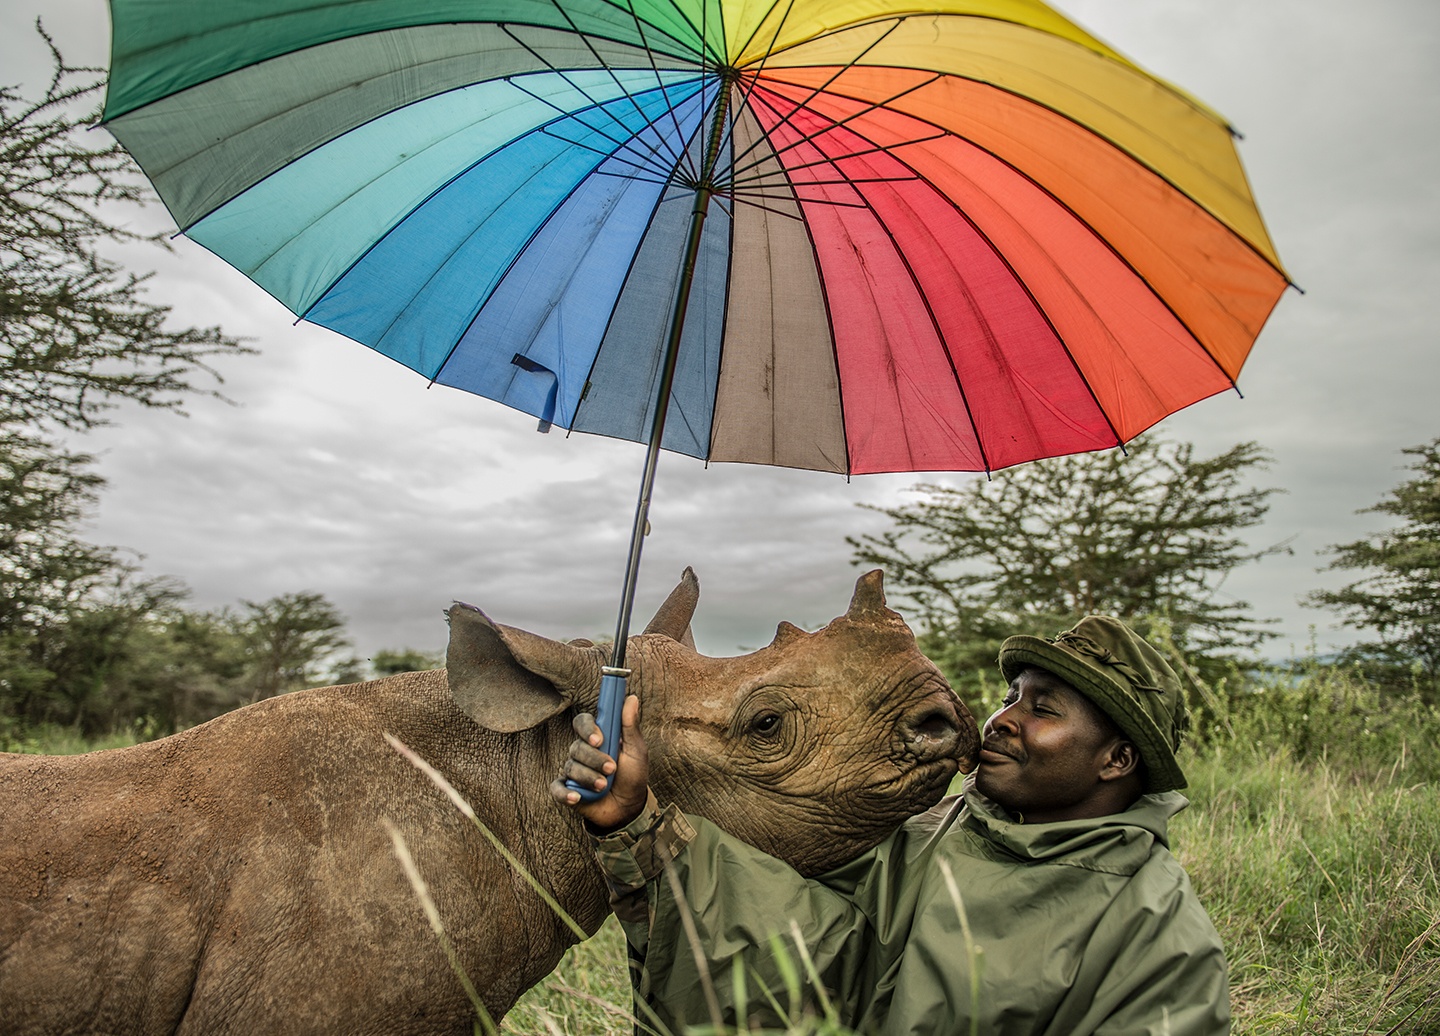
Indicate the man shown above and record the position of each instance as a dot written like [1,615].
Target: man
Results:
[1043,900]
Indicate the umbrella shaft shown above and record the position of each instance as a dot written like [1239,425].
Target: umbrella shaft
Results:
[703,191]
[657,427]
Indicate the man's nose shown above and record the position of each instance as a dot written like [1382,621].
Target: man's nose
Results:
[1003,720]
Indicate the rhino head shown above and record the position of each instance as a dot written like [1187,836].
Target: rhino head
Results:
[812,749]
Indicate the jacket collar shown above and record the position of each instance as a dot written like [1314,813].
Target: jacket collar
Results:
[1121,842]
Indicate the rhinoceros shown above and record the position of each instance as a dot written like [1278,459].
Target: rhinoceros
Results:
[238,877]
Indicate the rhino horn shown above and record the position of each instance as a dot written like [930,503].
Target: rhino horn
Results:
[508,680]
[786,632]
[867,606]
[869,598]
[673,617]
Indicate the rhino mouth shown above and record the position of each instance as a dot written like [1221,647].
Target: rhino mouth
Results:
[917,787]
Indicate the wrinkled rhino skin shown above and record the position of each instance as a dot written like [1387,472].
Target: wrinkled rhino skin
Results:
[237,877]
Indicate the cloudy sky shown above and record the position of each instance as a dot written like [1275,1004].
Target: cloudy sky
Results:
[337,471]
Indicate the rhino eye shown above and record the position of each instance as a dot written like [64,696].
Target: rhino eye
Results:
[766,723]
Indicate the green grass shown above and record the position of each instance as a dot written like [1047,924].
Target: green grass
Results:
[53,739]
[587,995]
[1321,878]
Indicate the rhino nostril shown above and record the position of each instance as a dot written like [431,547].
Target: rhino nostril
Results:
[933,731]
[933,727]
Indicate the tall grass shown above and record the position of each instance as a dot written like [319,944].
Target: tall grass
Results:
[1321,878]
[1314,841]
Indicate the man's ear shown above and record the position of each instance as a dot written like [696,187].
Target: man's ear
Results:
[1121,760]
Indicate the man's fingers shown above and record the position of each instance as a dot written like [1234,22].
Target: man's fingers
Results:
[631,740]
[584,754]
[586,729]
[630,715]
[584,775]
[563,793]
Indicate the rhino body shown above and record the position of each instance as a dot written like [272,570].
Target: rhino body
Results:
[238,877]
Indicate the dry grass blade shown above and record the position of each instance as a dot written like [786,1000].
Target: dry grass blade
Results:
[972,952]
[438,779]
[432,914]
[827,1007]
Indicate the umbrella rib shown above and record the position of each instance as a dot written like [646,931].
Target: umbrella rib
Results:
[809,201]
[631,135]
[519,252]
[758,178]
[834,124]
[738,200]
[632,177]
[816,91]
[619,294]
[770,48]
[704,31]
[1020,281]
[704,43]
[1003,259]
[413,209]
[670,156]
[724,318]
[757,186]
[754,78]
[829,320]
[1153,80]
[615,155]
[664,90]
[920,293]
[640,160]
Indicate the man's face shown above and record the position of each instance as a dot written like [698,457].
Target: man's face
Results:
[1042,754]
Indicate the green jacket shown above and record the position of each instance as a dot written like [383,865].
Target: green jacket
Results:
[962,917]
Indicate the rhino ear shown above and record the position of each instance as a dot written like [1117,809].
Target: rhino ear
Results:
[673,617]
[509,680]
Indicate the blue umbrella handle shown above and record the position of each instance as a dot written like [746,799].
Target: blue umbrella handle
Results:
[607,718]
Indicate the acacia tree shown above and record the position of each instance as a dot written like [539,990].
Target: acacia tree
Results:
[388,662]
[77,334]
[1399,600]
[77,337]
[45,569]
[290,640]
[1149,536]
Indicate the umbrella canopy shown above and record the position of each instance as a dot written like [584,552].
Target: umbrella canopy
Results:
[952,235]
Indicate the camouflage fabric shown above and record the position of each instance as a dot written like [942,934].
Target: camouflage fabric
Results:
[637,854]
[962,917]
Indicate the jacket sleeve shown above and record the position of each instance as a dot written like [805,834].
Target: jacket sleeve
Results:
[726,930]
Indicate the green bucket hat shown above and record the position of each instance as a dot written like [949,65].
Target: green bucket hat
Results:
[1115,668]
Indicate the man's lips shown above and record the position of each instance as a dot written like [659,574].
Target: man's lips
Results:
[993,753]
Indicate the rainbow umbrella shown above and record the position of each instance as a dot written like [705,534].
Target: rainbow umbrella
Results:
[848,235]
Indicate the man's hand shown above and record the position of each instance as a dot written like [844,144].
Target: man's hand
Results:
[590,766]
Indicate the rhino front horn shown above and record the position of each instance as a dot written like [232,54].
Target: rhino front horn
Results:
[869,598]
[673,617]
